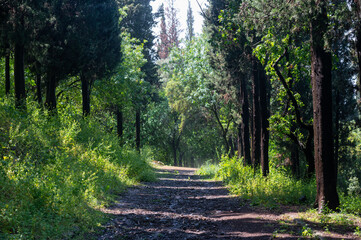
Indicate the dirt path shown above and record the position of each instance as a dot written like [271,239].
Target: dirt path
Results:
[182,205]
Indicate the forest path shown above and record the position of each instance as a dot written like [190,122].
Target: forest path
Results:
[182,205]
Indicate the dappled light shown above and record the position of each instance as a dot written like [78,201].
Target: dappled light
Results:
[223,119]
[182,205]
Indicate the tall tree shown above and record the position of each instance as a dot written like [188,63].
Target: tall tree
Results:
[174,30]
[139,22]
[190,23]
[163,46]
[235,59]
[99,43]
[321,66]
[256,114]
[357,7]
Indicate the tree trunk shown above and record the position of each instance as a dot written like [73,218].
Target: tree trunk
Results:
[245,135]
[119,114]
[39,96]
[137,129]
[50,101]
[256,118]
[85,94]
[321,66]
[7,74]
[358,40]
[174,148]
[230,146]
[310,158]
[20,94]
[295,160]
[239,141]
[337,129]
[181,154]
[264,102]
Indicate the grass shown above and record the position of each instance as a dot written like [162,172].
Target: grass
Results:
[244,181]
[56,172]
[282,189]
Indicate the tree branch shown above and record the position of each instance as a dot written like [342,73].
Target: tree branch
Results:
[290,94]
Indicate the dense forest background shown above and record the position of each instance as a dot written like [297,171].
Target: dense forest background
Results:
[267,98]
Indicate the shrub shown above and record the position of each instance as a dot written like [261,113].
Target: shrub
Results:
[56,172]
[249,183]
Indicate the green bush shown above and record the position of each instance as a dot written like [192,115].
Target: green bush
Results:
[248,183]
[56,172]
[350,204]
[208,169]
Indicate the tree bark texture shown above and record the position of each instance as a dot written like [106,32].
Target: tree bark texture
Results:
[321,66]
[85,94]
[295,160]
[245,134]
[337,129]
[7,74]
[264,111]
[256,117]
[20,94]
[119,115]
[50,101]
[358,39]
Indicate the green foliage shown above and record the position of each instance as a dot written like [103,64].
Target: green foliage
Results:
[278,187]
[248,183]
[56,172]
[124,87]
[307,232]
[350,204]
[208,169]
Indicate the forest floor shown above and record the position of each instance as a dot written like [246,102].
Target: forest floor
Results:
[182,205]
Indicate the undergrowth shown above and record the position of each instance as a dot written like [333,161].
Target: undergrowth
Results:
[244,181]
[57,171]
[279,187]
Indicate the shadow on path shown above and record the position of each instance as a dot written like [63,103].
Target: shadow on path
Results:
[182,205]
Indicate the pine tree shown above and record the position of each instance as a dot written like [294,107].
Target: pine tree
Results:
[190,23]
[173,24]
[163,46]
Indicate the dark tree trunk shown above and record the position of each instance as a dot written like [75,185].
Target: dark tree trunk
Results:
[85,94]
[181,154]
[7,74]
[137,129]
[20,94]
[295,160]
[50,101]
[239,141]
[337,129]
[245,135]
[39,96]
[310,158]
[119,114]
[264,102]
[256,118]
[321,66]
[358,40]
[174,148]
